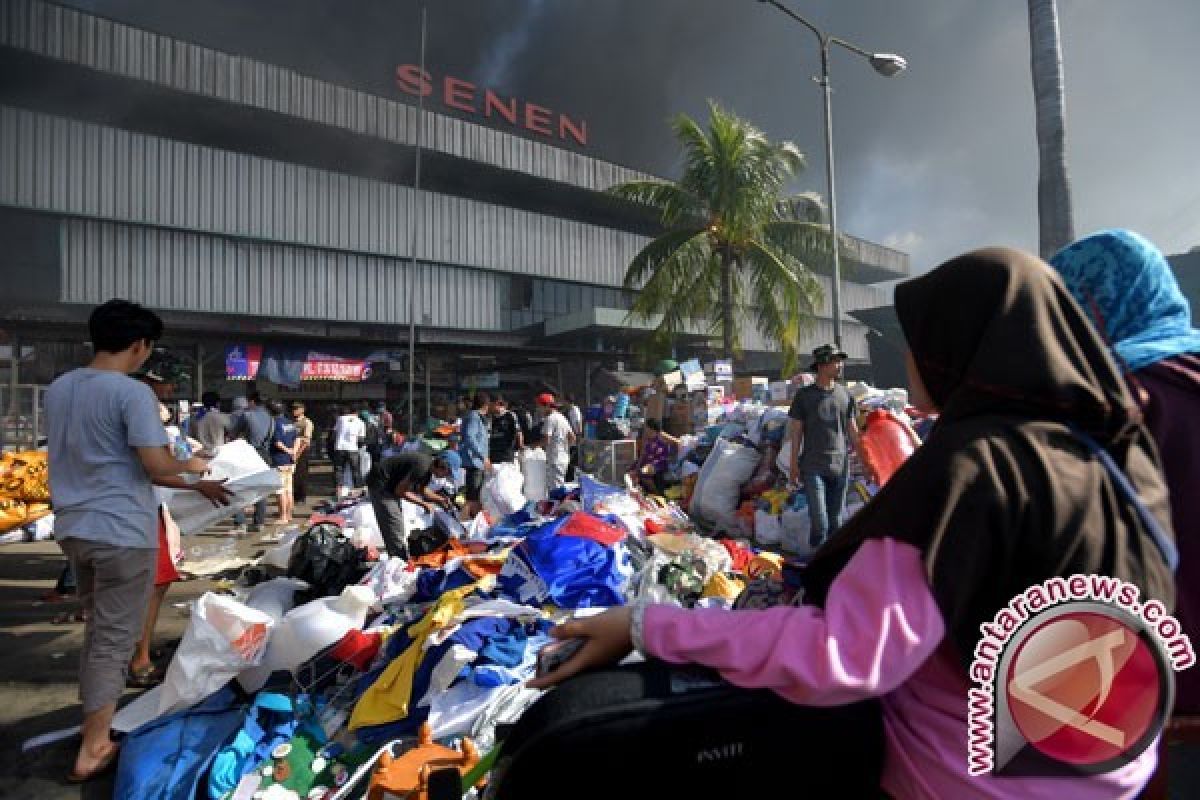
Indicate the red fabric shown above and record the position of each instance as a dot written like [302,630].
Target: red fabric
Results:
[885,445]
[165,572]
[357,648]
[740,554]
[588,526]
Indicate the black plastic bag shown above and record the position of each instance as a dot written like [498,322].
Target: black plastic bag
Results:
[325,560]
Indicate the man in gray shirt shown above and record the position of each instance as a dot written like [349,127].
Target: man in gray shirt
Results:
[211,425]
[106,445]
[823,419]
[255,425]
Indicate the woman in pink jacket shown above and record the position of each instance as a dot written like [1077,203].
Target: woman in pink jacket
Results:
[1002,496]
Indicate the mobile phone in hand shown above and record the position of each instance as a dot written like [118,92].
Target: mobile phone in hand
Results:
[553,656]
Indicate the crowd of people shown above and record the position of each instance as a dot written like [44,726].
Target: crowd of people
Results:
[1024,363]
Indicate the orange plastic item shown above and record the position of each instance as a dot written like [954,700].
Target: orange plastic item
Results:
[886,445]
[408,775]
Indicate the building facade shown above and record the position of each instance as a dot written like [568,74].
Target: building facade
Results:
[254,205]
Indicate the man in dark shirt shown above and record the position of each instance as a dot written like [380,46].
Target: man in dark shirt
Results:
[257,428]
[823,418]
[403,477]
[505,440]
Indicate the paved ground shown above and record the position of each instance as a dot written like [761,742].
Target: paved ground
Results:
[39,661]
[39,665]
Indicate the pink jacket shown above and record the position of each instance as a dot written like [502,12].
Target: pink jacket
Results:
[880,635]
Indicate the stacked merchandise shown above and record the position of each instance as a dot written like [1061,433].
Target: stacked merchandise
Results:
[24,489]
[348,673]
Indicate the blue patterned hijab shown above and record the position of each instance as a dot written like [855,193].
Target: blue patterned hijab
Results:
[1128,290]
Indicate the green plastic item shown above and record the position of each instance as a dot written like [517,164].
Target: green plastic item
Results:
[479,770]
[665,366]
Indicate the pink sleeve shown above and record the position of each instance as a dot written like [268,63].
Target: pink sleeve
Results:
[879,624]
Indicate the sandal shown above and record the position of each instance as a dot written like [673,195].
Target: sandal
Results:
[106,764]
[144,677]
[70,617]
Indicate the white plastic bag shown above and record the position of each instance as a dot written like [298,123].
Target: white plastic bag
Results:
[477,529]
[718,488]
[502,492]
[308,629]
[245,474]
[223,638]
[533,470]
[768,528]
[275,597]
[795,527]
[279,555]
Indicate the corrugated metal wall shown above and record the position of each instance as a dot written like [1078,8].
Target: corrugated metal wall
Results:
[184,271]
[98,43]
[54,164]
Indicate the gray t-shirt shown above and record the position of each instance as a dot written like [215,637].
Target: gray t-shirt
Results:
[211,429]
[826,414]
[257,428]
[99,490]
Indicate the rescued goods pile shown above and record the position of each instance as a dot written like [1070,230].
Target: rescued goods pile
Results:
[333,671]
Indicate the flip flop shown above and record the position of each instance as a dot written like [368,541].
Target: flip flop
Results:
[107,763]
[144,678]
[70,617]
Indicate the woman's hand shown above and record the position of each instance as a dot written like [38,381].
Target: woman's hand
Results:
[607,640]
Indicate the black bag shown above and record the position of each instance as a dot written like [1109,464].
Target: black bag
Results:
[326,561]
[651,730]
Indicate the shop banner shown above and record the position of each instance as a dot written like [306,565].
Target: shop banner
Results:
[242,363]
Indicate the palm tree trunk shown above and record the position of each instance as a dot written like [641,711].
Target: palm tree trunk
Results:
[1055,226]
[726,305]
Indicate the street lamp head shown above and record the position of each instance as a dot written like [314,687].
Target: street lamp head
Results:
[888,64]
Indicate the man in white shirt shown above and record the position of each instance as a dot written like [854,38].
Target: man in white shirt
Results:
[557,438]
[349,435]
[575,418]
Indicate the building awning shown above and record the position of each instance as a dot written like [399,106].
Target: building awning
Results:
[613,323]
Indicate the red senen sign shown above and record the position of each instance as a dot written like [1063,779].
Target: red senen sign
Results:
[467,97]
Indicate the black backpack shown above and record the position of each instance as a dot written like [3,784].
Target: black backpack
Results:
[325,560]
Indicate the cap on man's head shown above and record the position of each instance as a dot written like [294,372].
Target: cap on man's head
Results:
[150,376]
[825,354]
[545,399]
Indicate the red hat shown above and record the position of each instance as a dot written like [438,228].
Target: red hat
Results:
[545,399]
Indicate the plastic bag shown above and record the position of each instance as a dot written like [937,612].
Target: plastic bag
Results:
[279,555]
[768,528]
[308,629]
[533,469]
[502,492]
[245,474]
[728,467]
[223,638]
[275,597]
[325,560]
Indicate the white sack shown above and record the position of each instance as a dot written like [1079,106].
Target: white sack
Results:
[245,474]
[502,492]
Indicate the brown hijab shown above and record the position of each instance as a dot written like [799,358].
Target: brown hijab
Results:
[1002,495]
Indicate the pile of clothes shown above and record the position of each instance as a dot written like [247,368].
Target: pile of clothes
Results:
[314,677]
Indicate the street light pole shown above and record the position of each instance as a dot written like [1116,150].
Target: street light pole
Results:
[886,64]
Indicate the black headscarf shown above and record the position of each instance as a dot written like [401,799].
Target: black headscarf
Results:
[1002,495]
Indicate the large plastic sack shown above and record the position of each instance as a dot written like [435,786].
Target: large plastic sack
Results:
[768,528]
[308,629]
[165,758]
[275,597]
[719,485]
[533,469]
[245,474]
[795,527]
[503,491]
[886,444]
[325,560]
[223,638]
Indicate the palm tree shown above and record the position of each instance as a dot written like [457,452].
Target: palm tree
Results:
[1055,226]
[735,247]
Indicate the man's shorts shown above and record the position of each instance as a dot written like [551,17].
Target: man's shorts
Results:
[286,472]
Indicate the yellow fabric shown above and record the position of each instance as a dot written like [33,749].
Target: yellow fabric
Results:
[388,698]
[777,498]
[765,565]
[722,585]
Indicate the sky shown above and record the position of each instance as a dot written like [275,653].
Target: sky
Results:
[935,161]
